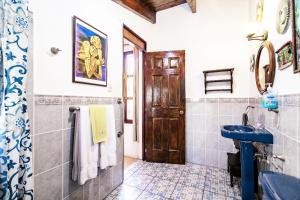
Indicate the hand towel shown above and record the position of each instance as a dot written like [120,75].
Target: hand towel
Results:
[108,148]
[98,116]
[85,153]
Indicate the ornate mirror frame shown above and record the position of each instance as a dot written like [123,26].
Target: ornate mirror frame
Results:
[271,67]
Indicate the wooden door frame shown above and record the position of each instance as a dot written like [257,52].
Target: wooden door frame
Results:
[144,50]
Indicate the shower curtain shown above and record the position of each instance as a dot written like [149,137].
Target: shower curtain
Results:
[15,138]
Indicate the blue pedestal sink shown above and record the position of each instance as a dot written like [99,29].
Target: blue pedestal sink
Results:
[247,135]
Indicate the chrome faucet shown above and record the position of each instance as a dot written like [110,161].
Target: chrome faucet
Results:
[245,115]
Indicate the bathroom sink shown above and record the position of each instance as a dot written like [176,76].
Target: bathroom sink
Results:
[279,186]
[247,133]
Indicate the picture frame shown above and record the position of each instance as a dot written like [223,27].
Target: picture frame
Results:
[296,34]
[89,54]
[285,56]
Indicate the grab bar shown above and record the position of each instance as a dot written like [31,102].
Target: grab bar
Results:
[74,108]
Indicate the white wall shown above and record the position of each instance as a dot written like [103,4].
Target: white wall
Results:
[214,37]
[286,82]
[53,28]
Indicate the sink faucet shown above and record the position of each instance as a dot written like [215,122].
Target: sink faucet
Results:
[245,115]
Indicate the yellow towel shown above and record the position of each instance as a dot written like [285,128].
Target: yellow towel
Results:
[98,118]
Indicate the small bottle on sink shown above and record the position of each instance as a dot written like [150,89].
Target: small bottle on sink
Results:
[270,100]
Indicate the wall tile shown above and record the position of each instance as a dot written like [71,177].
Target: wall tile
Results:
[68,118]
[212,109]
[222,157]
[48,118]
[288,121]
[211,140]
[105,177]
[199,156]
[299,160]
[68,138]
[226,109]
[212,124]
[69,186]
[198,139]
[225,120]
[53,146]
[291,156]
[76,195]
[189,146]
[91,189]
[117,175]
[226,144]
[48,186]
[47,151]
[211,156]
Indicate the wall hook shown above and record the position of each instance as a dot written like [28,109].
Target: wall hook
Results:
[55,50]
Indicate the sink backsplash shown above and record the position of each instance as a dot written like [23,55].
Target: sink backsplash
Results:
[285,127]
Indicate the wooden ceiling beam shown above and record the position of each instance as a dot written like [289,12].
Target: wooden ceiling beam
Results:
[139,8]
[192,4]
[170,4]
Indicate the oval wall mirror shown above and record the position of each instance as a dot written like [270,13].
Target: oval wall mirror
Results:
[265,66]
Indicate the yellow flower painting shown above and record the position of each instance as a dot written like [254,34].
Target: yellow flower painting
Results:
[90,54]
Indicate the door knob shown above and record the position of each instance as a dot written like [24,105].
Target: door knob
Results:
[181,112]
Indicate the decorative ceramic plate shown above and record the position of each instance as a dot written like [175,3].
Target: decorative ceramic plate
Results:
[260,10]
[283,16]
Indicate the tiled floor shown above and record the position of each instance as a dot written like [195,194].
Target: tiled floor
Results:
[151,181]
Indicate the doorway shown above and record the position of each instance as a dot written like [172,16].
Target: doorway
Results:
[134,48]
[154,103]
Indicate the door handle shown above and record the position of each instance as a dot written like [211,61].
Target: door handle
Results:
[120,133]
[181,112]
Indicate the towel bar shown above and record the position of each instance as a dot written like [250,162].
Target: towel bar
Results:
[73,108]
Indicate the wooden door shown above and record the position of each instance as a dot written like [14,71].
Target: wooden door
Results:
[165,107]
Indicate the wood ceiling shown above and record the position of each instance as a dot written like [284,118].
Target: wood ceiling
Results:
[148,8]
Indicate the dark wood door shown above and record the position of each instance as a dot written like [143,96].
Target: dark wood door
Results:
[165,107]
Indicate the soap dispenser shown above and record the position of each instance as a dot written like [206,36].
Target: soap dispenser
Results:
[270,100]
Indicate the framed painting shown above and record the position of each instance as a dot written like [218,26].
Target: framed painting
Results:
[296,34]
[285,55]
[89,54]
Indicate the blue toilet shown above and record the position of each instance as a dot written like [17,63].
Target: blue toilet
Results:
[278,186]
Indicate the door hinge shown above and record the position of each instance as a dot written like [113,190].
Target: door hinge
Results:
[145,150]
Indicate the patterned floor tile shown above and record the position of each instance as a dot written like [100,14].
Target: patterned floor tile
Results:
[149,196]
[195,169]
[139,181]
[182,192]
[192,180]
[169,174]
[221,187]
[161,187]
[212,172]
[213,196]
[198,194]
[124,192]
[175,166]
[149,171]
[211,184]
[160,181]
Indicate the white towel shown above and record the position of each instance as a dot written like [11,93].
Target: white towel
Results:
[86,154]
[108,149]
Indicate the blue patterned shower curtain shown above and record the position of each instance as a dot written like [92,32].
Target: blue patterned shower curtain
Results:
[15,139]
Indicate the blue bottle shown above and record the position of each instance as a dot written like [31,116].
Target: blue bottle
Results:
[270,100]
